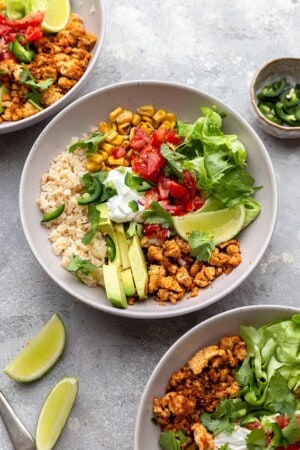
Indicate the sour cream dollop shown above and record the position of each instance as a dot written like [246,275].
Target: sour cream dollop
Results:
[118,205]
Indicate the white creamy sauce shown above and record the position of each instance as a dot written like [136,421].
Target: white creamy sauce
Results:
[119,210]
[236,440]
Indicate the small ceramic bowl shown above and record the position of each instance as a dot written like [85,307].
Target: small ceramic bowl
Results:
[266,75]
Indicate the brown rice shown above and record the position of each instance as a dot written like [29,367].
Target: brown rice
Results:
[61,185]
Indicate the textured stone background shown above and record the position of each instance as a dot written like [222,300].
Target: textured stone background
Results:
[215,46]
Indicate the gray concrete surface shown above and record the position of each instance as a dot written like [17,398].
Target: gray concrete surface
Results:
[211,45]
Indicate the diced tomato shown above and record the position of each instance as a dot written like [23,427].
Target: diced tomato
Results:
[32,20]
[175,210]
[119,152]
[163,135]
[156,231]
[255,425]
[282,421]
[151,196]
[177,190]
[29,27]
[148,163]
[139,139]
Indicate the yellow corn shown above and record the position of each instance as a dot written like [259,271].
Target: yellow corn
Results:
[124,128]
[107,147]
[115,113]
[147,127]
[92,166]
[104,127]
[167,124]
[136,118]
[160,115]
[104,155]
[96,158]
[171,117]
[115,161]
[124,117]
[147,119]
[146,110]
[110,136]
[118,140]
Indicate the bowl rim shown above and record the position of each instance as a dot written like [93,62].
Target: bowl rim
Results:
[253,96]
[157,314]
[50,111]
[261,309]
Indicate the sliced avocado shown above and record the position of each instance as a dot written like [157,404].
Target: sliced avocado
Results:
[128,283]
[123,245]
[107,228]
[114,286]
[138,267]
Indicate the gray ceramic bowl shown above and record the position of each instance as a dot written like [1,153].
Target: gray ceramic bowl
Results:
[83,114]
[267,74]
[205,333]
[93,16]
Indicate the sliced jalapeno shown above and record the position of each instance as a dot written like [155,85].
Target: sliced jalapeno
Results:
[23,54]
[111,248]
[290,119]
[133,205]
[94,191]
[272,90]
[137,183]
[53,214]
[290,99]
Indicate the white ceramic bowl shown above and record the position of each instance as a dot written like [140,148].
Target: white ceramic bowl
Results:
[204,334]
[93,16]
[85,113]
[272,71]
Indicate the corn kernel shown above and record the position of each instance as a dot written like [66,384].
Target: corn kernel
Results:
[171,117]
[107,147]
[147,110]
[96,158]
[104,127]
[147,127]
[160,115]
[110,136]
[168,125]
[115,161]
[136,118]
[147,119]
[124,117]
[92,167]
[124,128]
[115,113]
[118,140]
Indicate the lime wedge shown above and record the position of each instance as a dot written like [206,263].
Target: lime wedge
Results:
[56,15]
[224,224]
[55,412]
[40,353]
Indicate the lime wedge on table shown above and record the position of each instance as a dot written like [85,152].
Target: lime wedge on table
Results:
[40,353]
[55,412]
[224,224]
[56,16]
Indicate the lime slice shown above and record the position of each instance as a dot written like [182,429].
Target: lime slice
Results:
[56,15]
[224,224]
[211,204]
[55,412]
[40,353]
